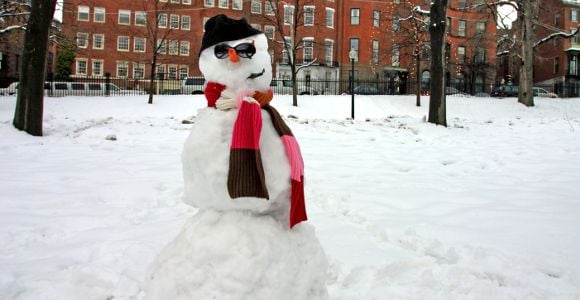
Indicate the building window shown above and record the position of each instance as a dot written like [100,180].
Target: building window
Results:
[461,28]
[375,52]
[208,3]
[185,22]
[287,45]
[269,31]
[187,2]
[328,47]
[573,65]
[448,25]
[139,44]
[183,72]
[205,19]
[288,14]
[162,21]
[184,48]
[257,7]
[138,71]
[396,23]
[329,17]
[557,18]
[97,67]
[376,18]
[237,4]
[172,72]
[354,46]
[122,69]
[161,72]
[480,27]
[576,38]
[395,56]
[308,53]
[173,47]
[223,3]
[308,15]
[140,18]
[162,46]
[98,41]
[460,54]
[82,39]
[256,26]
[83,13]
[479,56]
[82,65]
[269,8]
[174,22]
[99,16]
[123,43]
[354,16]
[556,65]
[573,15]
[124,17]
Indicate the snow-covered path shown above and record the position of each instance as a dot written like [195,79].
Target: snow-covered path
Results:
[488,208]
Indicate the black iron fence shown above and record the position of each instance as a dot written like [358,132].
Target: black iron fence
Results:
[111,86]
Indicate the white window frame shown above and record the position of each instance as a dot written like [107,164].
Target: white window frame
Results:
[183,75]
[307,10]
[209,3]
[185,25]
[77,66]
[269,9]
[174,20]
[162,22]
[326,56]
[186,2]
[223,3]
[137,67]
[99,11]
[256,7]
[173,47]
[461,29]
[140,18]
[161,68]
[140,41]
[354,17]
[119,43]
[163,44]
[118,67]
[396,56]
[102,62]
[184,48]
[169,68]
[82,36]
[84,11]
[375,45]
[237,4]
[268,28]
[350,43]
[124,12]
[329,17]
[95,38]
[288,14]
[376,18]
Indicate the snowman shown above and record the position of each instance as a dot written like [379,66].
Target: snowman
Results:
[244,172]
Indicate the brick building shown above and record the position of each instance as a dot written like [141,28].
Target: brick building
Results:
[118,37]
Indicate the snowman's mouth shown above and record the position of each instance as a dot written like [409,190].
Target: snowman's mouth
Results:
[256,75]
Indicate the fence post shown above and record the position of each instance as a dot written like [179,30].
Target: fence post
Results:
[107,84]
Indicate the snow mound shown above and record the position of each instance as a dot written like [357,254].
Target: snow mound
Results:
[238,255]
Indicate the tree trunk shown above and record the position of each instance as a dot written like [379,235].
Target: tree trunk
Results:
[152,80]
[526,15]
[418,78]
[294,84]
[437,112]
[29,102]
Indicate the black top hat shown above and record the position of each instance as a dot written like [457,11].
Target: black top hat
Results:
[221,28]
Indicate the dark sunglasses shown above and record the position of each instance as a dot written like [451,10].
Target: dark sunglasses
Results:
[246,50]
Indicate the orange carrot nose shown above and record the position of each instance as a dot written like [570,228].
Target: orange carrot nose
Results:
[233,55]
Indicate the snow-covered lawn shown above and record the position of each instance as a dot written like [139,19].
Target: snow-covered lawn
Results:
[488,208]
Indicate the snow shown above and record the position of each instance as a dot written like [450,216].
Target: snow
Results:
[486,208]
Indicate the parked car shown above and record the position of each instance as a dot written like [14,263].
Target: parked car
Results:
[85,89]
[505,91]
[10,90]
[449,90]
[193,85]
[540,92]
[284,87]
[366,90]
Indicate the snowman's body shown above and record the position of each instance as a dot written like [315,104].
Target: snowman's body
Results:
[240,248]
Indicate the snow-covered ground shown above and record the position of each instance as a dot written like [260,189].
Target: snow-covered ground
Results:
[487,208]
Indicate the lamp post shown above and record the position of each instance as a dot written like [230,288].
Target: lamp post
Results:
[352,55]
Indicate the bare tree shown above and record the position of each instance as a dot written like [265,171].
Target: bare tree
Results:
[29,103]
[437,30]
[288,21]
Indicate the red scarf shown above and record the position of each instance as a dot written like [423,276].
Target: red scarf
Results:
[246,173]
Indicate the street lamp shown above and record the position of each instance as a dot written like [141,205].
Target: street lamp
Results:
[352,55]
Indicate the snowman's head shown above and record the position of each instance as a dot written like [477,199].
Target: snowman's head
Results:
[235,54]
